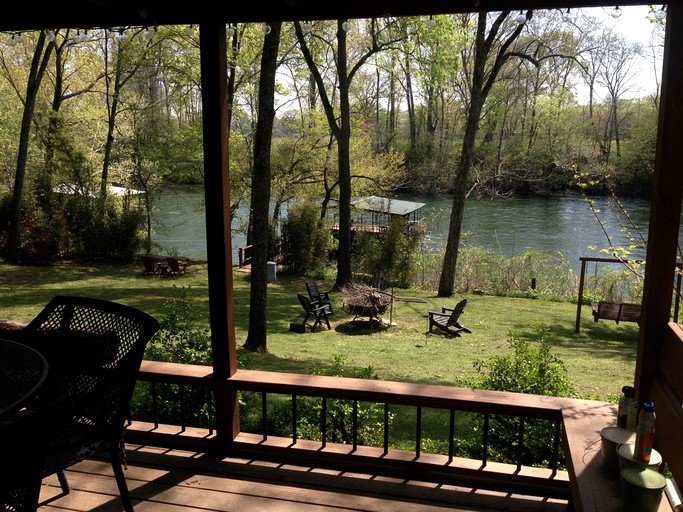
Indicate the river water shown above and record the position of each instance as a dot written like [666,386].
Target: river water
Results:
[507,226]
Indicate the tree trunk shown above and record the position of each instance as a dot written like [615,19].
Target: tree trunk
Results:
[260,193]
[410,107]
[38,66]
[112,111]
[44,178]
[344,273]
[615,124]
[447,279]
[480,89]
[340,127]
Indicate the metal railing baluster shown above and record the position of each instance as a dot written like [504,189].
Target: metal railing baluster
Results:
[386,427]
[155,405]
[451,436]
[183,412]
[323,421]
[355,425]
[209,409]
[264,415]
[520,442]
[485,440]
[418,431]
[556,447]
[294,419]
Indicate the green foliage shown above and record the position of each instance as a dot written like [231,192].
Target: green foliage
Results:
[177,154]
[339,417]
[113,235]
[532,274]
[530,369]
[306,239]
[42,238]
[613,283]
[74,227]
[178,342]
[392,254]
[636,168]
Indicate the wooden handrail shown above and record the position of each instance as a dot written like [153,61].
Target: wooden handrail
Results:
[580,422]
[400,393]
[244,256]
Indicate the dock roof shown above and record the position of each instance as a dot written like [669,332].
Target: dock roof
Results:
[387,205]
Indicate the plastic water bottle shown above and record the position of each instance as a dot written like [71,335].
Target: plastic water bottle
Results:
[645,433]
[627,414]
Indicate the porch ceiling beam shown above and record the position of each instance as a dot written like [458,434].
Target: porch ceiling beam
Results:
[112,13]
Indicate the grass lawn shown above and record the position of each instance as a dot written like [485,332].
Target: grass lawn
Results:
[599,359]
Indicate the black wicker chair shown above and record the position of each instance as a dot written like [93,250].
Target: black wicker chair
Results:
[94,349]
[22,445]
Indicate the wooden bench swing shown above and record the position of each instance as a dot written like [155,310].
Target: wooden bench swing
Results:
[613,310]
[617,311]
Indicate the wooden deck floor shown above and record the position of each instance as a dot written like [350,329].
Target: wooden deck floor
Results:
[172,481]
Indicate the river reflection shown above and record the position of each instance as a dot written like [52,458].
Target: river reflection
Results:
[558,225]
[506,226]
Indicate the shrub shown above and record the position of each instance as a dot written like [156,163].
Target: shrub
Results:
[614,283]
[530,369]
[306,240]
[177,342]
[42,236]
[113,234]
[391,256]
[532,274]
[339,415]
[480,271]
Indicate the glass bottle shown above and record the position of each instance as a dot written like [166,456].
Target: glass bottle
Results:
[645,433]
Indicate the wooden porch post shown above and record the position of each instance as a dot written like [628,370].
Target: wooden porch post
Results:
[665,212]
[212,40]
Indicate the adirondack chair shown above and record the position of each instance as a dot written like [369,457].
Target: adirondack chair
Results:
[316,295]
[176,267]
[447,320]
[150,264]
[314,310]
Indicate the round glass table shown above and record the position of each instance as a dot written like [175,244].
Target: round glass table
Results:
[22,371]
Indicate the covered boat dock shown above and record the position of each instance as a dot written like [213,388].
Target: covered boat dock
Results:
[373,214]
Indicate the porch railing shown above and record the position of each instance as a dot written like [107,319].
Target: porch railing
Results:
[415,464]
[244,256]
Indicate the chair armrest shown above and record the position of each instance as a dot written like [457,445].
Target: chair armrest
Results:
[462,327]
[322,308]
[446,310]
[436,313]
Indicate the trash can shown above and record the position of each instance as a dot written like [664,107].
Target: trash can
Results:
[271,271]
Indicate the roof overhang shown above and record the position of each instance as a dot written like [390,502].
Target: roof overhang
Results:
[111,13]
[387,205]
